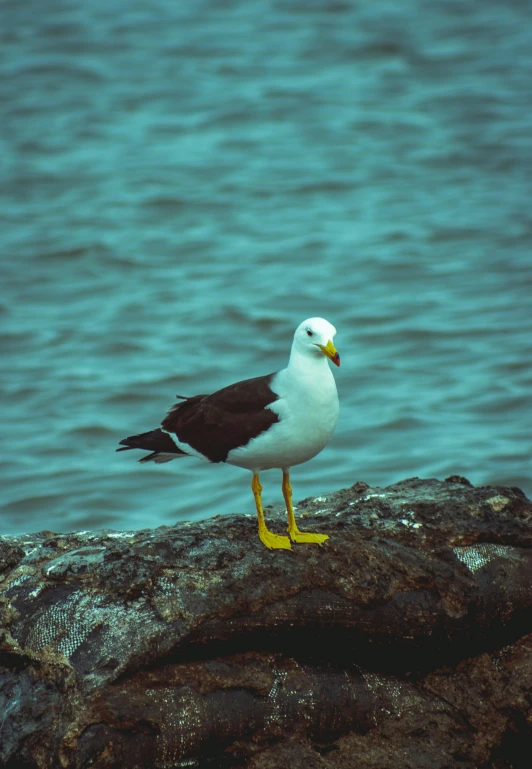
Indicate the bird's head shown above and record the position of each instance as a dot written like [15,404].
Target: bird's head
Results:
[314,337]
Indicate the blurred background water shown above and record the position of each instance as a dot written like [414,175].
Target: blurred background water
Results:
[183,183]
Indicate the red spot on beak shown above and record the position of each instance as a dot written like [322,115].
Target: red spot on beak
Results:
[336,359]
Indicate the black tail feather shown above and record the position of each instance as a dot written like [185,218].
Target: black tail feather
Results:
[156,441]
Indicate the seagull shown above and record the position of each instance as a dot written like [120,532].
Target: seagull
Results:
[274,421]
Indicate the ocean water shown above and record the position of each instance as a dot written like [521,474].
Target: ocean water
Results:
[183,183]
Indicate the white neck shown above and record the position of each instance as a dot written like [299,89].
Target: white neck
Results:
[313,366]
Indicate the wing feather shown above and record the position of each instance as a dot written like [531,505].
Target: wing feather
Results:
[215,424]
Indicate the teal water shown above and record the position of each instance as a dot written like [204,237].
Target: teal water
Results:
[183,183]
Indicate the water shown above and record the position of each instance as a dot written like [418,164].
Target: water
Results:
[183,183]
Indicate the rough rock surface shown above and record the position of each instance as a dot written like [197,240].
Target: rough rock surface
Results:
[405,641]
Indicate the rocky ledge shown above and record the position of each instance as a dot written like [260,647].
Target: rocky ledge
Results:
[405,641]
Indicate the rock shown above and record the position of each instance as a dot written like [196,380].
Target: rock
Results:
[405,641]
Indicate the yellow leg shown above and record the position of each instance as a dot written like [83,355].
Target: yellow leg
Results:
[293,531]
[273,541]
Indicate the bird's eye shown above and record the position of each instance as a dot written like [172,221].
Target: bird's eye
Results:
[309,332]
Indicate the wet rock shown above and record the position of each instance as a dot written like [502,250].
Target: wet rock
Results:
[405,641]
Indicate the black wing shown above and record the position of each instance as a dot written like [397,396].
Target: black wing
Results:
[229,418]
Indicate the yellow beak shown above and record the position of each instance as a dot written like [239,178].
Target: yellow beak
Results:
[331,352]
